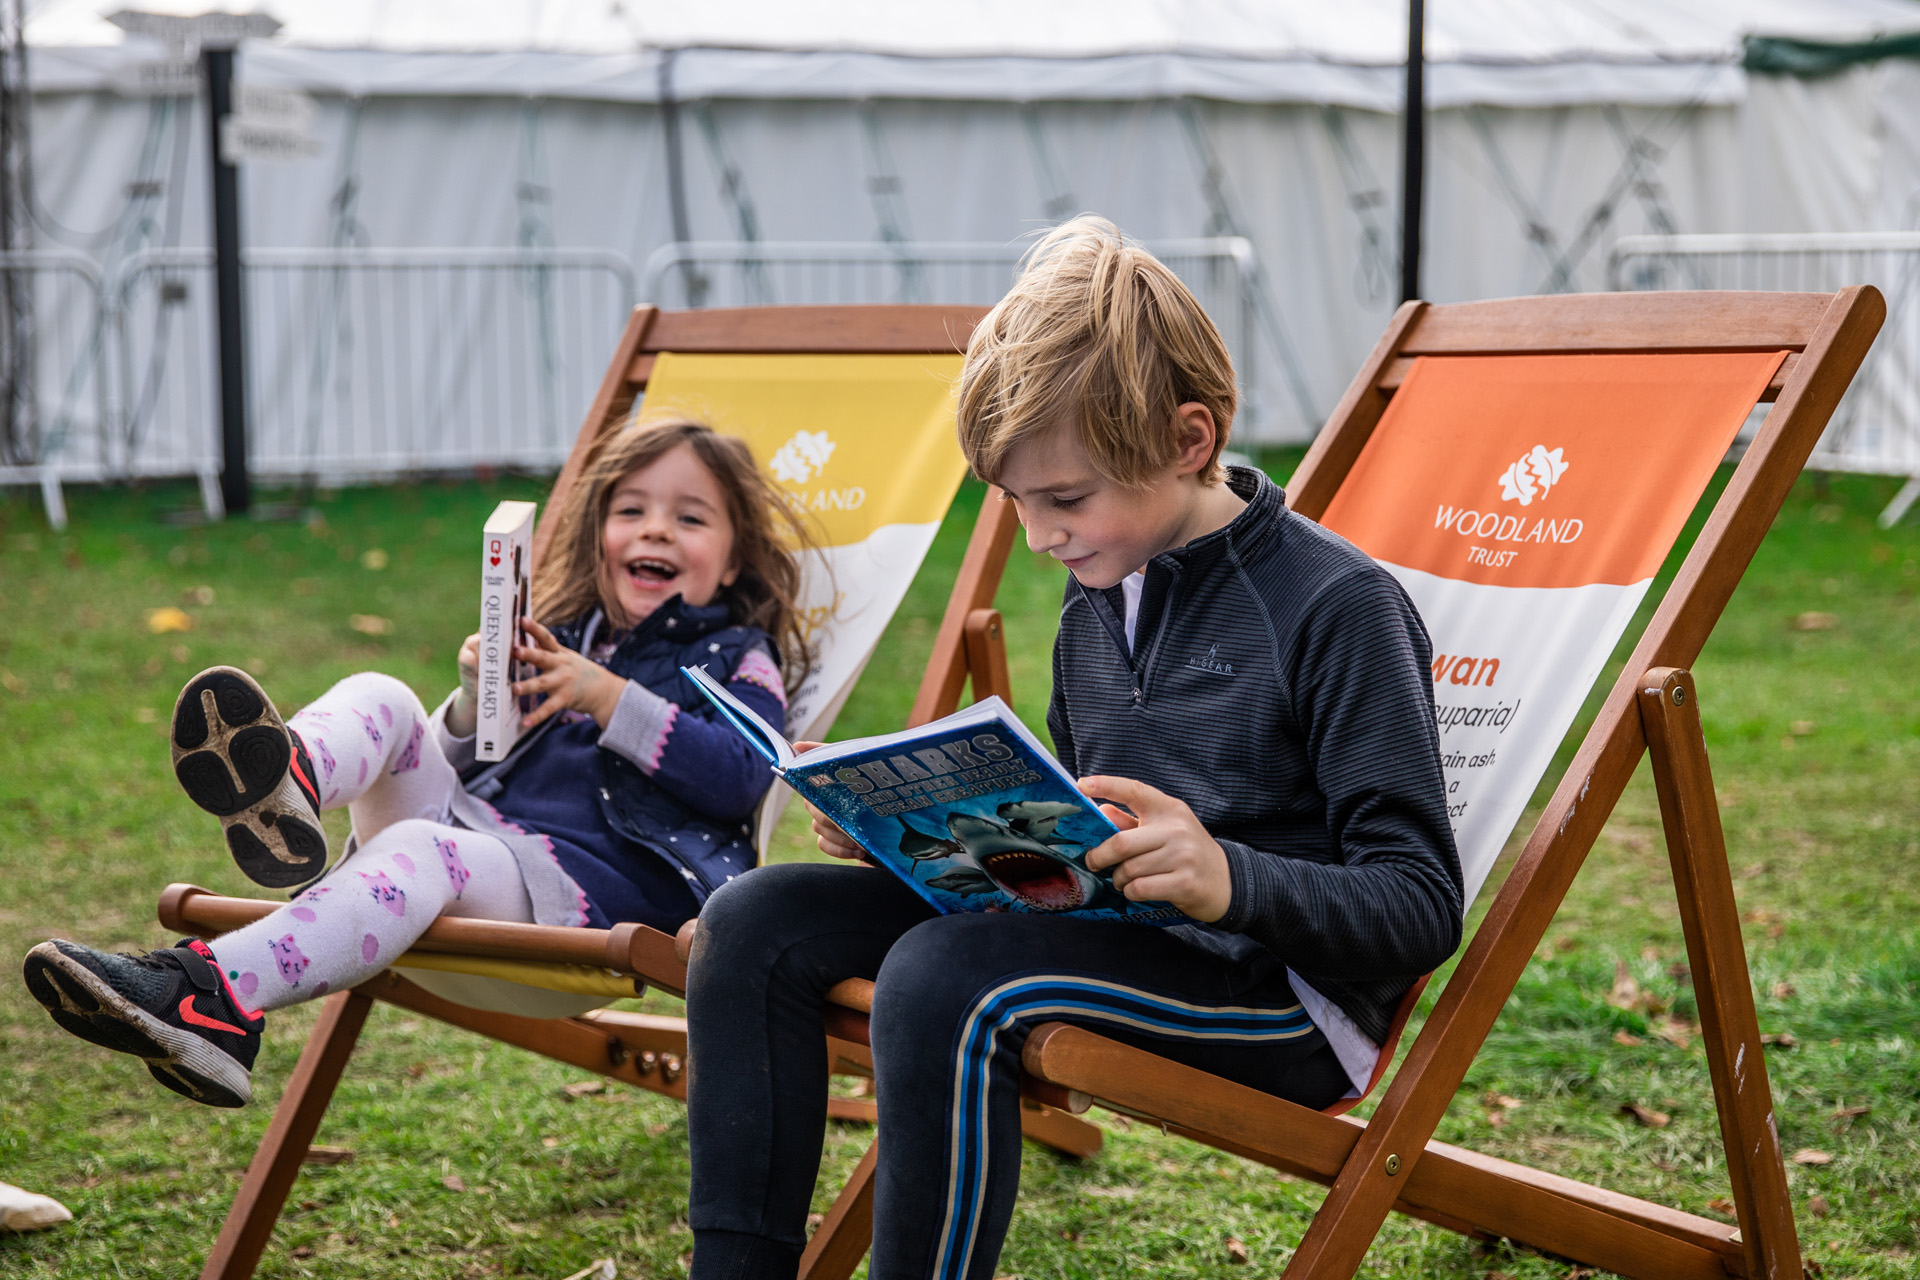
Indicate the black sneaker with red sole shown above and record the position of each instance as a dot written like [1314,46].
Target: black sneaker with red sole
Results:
[237,759]
[172,1008]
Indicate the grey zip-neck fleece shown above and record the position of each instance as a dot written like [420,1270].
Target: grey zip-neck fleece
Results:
[1278,684]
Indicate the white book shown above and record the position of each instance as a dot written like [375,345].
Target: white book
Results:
[506,595]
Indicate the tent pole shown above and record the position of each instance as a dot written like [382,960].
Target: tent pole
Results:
[234,487]
[677,181]
[1413,150]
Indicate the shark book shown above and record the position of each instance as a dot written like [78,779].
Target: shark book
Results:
[970,810]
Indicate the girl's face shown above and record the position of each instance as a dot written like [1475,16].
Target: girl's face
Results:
[667,534]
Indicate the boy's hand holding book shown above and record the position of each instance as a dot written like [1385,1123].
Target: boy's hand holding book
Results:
[826,832]
[1162,853]
[570,681]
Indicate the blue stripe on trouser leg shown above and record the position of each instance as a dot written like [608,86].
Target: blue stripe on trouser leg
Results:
[1030,999]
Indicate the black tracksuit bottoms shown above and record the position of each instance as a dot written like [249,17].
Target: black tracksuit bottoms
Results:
[955,999]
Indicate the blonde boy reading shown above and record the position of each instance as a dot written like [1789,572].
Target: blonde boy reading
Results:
[1248,693]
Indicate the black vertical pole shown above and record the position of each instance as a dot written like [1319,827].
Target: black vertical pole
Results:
[234,489]
[1413,150]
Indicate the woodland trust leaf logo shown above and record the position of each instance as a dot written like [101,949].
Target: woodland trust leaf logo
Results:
[1534,475]
[801,458]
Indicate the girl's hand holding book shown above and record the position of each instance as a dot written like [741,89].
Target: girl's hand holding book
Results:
[1162,853]
[571,681]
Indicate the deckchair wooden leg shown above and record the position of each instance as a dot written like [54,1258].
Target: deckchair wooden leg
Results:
[844,1237]
[249,1225]
[1710,920]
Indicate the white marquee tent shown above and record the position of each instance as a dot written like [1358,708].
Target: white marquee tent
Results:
[622,126]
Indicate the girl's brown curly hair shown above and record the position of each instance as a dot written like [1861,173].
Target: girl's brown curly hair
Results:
[769,536]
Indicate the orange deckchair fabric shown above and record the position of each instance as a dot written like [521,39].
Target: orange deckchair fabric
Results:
[1638,436]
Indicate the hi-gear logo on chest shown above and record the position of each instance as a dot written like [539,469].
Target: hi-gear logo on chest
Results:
[1211,661]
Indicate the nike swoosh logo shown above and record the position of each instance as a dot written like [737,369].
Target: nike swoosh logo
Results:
[190,1015]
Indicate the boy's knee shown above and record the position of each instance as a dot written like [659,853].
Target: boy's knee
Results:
[743,911]
[940,969]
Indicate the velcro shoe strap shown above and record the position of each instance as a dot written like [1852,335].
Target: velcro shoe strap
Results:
[200,970]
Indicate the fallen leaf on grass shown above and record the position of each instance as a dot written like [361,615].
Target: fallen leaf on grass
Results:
[303,1251]
[1236,1251]
[1843,1117]
[581,1088]
[1814,620]
[373,558]
[1810,1156]
[327,1155]
[1675,1032]
[598,1269]
[168,618]
[1626,992]
[1628,1039]
[549,1142]
[370,624]
[1646,1116]
[1498,1119]
[1802,728]
[453,1182]
[1818,1206]
[12,682]
[1722,1205]
[1782,991]
[1780,1039]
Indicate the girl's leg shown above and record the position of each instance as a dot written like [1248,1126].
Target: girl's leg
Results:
[369,909]
[374,752]
[193,1012]
[769,946]
[953,1005]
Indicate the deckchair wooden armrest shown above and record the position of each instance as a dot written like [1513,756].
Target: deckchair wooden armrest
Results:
[625,948]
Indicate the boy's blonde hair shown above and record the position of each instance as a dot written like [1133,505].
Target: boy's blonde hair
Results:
[1097,332]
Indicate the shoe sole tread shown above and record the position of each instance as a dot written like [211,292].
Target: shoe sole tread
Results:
[231,755]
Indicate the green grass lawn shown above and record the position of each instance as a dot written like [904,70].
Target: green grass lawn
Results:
[1815,736]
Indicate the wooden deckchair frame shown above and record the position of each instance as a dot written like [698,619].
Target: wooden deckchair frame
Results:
[1390,1161]
[647,1051]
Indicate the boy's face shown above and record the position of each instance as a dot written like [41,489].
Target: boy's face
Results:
[1100,530]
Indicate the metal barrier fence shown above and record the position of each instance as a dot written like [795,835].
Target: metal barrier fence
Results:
[728,273]
[365,363]
[1877,427]
[370,363]
[362,363]
[67,396]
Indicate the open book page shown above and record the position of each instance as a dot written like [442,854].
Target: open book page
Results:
[971,810]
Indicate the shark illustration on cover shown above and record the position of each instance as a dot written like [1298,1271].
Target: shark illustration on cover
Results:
[971,811]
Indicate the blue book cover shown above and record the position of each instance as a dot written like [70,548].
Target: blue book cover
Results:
[971,810]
